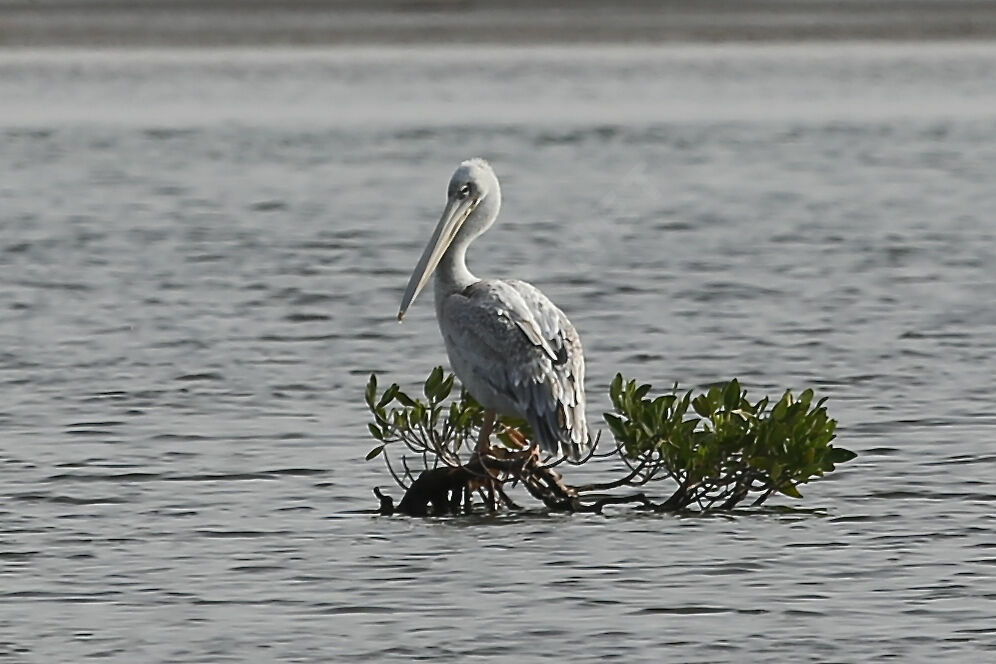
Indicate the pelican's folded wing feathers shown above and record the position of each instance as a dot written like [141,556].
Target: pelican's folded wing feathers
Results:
[509,337]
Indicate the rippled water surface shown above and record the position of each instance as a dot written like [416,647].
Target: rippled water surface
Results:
[202,255]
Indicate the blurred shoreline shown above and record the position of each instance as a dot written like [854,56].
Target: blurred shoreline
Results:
[248,23]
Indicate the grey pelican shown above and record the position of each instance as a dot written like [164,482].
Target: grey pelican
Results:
[511,347]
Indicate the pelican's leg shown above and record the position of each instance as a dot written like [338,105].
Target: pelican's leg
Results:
[487,426]
[517,439]
[483,448]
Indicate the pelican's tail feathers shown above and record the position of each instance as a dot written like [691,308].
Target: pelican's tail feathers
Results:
[556,439]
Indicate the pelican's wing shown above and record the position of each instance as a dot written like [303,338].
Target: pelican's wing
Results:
[510,338]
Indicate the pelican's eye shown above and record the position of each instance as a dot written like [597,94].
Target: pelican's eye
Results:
[464,191]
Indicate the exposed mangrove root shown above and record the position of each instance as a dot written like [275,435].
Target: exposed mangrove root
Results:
[449,490]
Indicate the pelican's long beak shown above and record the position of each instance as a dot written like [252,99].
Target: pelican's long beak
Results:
[456,212]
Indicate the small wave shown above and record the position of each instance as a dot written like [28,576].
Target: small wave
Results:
[58,499]
[268,206]
[207,375]
[306,318]
[139,476]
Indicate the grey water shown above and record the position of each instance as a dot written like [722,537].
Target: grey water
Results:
[202,254]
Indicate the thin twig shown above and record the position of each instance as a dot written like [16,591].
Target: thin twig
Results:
[615,484]
[408,471]
[398,480]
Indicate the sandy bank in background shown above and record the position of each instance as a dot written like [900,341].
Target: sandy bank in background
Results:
[185,23]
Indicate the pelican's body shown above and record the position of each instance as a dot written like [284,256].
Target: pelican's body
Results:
[511,347]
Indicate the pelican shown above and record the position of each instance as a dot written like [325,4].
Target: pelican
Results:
[511,347]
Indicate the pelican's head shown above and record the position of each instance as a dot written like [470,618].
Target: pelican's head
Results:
[472,202]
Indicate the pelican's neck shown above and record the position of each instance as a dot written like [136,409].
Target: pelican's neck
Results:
[452,275]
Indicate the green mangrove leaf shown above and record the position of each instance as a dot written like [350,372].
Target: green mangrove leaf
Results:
[432,383]
[780,409]
[840,455]
[389,395]
[371,390]
[615,387]
[731,395]
[446,387]
[616,426]
[405,400]
[702,405]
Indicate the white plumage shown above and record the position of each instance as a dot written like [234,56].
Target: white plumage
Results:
[511,347]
